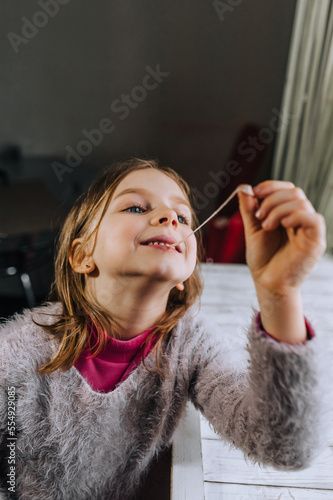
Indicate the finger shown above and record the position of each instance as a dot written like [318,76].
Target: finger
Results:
[275,216]
[247,207]
[247,203]
[313,224]
[267,187]
[280,197]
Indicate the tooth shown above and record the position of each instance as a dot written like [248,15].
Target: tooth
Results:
[159,243]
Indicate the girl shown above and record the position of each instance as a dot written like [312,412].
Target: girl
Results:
[101,377]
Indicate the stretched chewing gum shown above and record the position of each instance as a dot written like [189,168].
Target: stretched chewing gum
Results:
[242,188]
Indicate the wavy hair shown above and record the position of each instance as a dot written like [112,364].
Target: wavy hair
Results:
[83,221]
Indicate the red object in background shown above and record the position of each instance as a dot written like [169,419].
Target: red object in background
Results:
[225,240]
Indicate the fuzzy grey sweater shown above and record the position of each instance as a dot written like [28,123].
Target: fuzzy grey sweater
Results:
[77,444]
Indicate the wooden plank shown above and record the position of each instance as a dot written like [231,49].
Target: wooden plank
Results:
[222,491]
[321,279]
[220,464]
[186,473]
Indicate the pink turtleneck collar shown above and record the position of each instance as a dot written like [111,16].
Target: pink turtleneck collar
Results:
[114,364]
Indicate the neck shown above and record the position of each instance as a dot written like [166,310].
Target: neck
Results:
[136,306]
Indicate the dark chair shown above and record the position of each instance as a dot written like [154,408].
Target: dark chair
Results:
[23,254]
[29,223]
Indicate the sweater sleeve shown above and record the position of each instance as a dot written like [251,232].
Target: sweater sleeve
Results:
[23,348]
[272,406]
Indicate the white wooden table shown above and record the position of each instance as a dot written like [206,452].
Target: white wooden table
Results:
[202,466]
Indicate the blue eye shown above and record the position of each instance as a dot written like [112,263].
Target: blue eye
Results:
[136,208]
[183,220]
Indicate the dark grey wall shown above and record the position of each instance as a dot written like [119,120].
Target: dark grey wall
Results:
[222,74]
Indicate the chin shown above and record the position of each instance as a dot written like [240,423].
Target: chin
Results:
[165,271]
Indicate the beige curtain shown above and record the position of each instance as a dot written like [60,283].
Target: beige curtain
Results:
[304,150]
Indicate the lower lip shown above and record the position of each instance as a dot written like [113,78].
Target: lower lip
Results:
[161,247]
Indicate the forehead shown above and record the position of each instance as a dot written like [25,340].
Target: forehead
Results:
[152,180]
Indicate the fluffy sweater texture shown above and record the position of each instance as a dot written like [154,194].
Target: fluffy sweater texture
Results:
[78,444]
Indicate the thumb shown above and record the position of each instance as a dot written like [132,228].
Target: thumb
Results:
[248,206]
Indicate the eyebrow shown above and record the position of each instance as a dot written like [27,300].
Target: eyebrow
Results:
[178,199]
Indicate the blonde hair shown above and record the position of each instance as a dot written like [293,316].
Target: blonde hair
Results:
[71,329]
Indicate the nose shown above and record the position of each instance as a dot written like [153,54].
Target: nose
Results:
[165,216]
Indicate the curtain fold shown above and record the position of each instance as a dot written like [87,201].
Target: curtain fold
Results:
[304,149]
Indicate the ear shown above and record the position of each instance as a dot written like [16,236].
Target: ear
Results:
[180,287]
[79,259]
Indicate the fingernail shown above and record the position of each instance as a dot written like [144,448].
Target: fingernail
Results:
[266,223]
[258,213]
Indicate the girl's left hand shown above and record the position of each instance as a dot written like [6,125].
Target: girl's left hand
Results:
[285,239]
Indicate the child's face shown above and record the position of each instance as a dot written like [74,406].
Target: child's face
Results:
[145,205]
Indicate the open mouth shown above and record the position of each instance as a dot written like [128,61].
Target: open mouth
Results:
[162,242]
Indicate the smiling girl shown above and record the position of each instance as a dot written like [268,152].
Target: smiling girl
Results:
[103,374]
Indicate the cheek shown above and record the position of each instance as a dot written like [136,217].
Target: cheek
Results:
[119,234]
[192,250]
[123,233]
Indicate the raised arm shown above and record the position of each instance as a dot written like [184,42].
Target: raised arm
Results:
[275,410]
[284,237]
